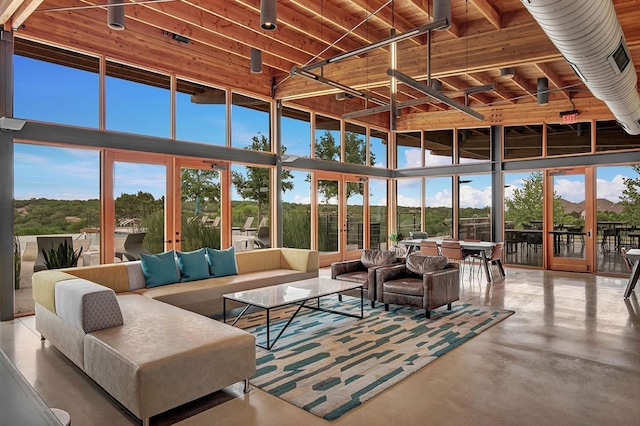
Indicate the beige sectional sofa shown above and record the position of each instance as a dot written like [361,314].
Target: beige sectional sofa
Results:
[153,349]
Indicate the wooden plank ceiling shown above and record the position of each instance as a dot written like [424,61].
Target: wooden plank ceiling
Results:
[485,36]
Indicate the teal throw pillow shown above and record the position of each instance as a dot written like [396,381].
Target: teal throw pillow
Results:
[222,262]
[193,265]
[159,269]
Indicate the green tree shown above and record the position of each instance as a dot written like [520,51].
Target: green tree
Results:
[199,185]
[630,198]
[254,185]
[138,205]
[355,150]
[526,203]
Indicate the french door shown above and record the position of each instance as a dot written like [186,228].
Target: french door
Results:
[569,223]
[341,216]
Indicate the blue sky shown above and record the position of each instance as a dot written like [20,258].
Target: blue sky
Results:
[48,92]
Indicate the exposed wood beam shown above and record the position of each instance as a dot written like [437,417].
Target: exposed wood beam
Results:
[554,78]
[24,11]
[386,16]
[489,12]
[346,23]
[520,45]
[8,7]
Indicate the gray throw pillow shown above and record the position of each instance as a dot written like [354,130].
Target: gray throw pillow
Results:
[377,257]
[419,264]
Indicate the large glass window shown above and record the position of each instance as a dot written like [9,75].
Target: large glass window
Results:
[474,207]
[250,119]
[355,144]
[409,205]
[617,215]
[201,113]
[611,137]
[200,208]
[522,141]
[438,207]
[474,145]
[296,132]
[408,150]
[438,147]
[378,143]
[250,204]
[137,101]
[327,139]
[523,215]
[377,213]
[568,139]
[51,201]
[296,209]
[63,90]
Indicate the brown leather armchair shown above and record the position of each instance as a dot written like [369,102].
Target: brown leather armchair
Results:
[357,271]
[399,286]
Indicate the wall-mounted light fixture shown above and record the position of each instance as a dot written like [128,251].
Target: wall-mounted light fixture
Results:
[115,15]
[286,158]
[219,167]
[9,123]
[543,91]
[256,61]
[268,20]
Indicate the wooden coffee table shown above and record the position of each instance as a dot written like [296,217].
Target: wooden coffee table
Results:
[299,292]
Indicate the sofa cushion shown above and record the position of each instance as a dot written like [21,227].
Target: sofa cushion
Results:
[193,265]
[222,263]
[135,275]
[159,269]
[86,305]
[109,275]
[419,264]
[43,287]
[371,258]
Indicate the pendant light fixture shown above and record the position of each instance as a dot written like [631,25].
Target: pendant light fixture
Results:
[115,15]
[256,61]
[268,20]
[543,91]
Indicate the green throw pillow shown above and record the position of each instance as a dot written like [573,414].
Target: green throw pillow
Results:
[159,269]
[222,262]
[193,265]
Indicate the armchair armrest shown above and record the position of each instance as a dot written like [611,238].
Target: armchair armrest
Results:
[338,268]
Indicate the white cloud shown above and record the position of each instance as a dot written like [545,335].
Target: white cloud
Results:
[431,160]
[475,197]
[411,158]
[441,198]
[611,190]
[408,201]
[570,190]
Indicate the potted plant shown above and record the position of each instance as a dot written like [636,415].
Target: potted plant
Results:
[61,257]
[395,238]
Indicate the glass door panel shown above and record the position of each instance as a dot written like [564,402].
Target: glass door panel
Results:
[568,228]
[328,223]
[139,200]
[200,213]
[354,222]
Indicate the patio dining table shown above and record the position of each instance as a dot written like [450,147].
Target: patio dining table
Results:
[476,247]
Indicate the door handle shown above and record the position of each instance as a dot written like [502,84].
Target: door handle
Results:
[588,233]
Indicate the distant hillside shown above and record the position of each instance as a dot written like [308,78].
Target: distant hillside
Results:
[603,205]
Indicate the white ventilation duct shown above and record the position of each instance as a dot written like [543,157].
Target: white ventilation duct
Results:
[588,34]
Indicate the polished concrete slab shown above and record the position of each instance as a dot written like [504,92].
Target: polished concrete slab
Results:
[570,355]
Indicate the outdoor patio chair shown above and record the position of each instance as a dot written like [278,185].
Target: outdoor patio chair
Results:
[263,237]
[132,247]
[246,227]
[46,244]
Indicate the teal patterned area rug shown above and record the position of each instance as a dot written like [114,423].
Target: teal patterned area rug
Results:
[329,364]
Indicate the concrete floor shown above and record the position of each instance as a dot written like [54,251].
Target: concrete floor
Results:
[569,356]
